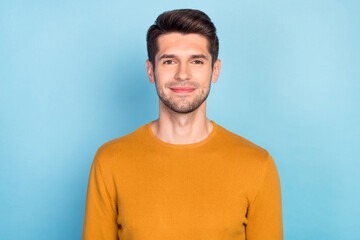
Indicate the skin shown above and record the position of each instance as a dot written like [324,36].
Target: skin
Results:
[182,60]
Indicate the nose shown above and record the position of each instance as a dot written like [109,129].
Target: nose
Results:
[183,72]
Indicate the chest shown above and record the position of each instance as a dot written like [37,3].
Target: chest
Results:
[179,202]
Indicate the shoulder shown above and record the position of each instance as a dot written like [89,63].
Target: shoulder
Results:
[236,141]
[257,160]
[114,149]
[251,160]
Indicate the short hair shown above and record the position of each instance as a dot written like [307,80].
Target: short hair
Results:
[183,21]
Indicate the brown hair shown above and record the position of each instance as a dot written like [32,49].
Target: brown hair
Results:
[182,21]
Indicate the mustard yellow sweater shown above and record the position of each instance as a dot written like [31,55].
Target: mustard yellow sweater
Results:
[142,188]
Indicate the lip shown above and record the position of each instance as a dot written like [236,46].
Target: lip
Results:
[182,89]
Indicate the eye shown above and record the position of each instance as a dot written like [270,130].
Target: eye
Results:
[169,62]
[197,62]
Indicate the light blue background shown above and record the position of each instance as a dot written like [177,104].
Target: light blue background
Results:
[73,77]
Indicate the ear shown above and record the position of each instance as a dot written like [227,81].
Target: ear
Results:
[150,71]
[216,70]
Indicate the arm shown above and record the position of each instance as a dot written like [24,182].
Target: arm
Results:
[265,213]
[100,209]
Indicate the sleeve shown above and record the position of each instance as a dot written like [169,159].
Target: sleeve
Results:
[265,211]
[100,208]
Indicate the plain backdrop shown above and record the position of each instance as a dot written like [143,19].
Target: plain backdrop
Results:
[73,76]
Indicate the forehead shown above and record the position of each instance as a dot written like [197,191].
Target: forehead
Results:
[182,44]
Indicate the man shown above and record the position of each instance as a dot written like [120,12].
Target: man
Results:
[182,176]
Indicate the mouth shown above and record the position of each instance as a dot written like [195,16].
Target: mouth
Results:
[182,89]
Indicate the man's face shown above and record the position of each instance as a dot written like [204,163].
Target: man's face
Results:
[183,71]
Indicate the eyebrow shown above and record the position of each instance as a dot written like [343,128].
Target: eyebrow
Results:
[192,56]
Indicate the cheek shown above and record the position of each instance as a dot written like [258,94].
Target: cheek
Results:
[164,74]
[202,76]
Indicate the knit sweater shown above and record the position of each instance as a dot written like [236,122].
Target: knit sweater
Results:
[142,188]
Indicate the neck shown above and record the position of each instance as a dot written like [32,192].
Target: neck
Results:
[177,128]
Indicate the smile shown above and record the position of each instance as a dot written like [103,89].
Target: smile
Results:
[182,89]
